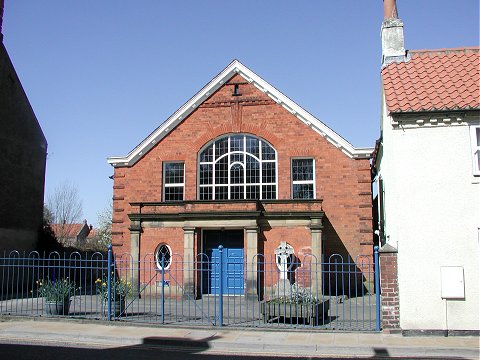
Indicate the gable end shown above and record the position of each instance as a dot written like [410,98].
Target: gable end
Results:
[235,67]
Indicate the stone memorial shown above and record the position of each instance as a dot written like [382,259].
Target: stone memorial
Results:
[284,261]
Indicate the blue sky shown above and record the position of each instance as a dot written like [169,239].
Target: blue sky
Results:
[102,75]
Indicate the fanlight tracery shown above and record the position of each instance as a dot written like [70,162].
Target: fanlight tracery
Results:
[237,167]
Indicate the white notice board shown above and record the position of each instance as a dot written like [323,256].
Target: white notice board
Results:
[453,282]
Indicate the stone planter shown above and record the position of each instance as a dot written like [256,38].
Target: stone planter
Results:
[57,307]
[117,309]
[310,313]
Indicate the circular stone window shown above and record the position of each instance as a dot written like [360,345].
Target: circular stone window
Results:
[163,251]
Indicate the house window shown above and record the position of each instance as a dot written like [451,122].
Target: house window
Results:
[173,181]
[237,167]
[303,178]
[163,253]
[475,141]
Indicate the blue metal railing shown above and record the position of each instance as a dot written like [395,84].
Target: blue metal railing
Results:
[336,294]
[377,287]
[220,295]
[109,284]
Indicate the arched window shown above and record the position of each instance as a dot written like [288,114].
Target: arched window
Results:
[237,167]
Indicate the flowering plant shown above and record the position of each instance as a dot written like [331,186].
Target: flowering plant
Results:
[55,290]
[120,288]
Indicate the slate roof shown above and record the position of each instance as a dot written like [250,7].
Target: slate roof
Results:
[434,80]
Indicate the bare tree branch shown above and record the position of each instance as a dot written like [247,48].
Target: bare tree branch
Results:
[66,209]
[104,221]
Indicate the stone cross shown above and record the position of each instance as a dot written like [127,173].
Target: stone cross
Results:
[282,252]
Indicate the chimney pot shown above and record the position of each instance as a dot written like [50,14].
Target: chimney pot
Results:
[390,9]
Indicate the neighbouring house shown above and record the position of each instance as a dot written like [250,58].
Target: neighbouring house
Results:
[24,150]
[427,172]
[74,234]
[243,166]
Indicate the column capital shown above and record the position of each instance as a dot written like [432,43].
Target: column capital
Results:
[251,229]
[316,224]
[135,227]
[189,229]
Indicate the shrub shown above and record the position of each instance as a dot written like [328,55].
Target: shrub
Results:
[55,290]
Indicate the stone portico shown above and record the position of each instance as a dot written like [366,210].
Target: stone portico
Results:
[255,218]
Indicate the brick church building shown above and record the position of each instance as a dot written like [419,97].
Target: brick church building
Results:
[243,166]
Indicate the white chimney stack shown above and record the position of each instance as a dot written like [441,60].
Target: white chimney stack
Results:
[393,44]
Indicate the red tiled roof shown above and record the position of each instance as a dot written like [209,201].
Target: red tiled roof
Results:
[434,80]
[71,230]
[92,234]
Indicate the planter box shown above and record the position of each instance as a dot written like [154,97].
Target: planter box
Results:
[117,309]
[310,313]
[57,307]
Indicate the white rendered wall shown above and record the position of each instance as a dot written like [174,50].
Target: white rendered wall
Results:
[432,203]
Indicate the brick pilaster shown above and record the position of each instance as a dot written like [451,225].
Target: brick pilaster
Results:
[389,288]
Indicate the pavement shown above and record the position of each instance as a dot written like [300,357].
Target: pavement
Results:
[280,342]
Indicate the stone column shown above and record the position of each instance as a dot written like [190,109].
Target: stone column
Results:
[316,266]
[135,231]
[189,263]
[252,261]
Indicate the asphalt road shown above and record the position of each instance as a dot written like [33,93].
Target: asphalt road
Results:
[138,352]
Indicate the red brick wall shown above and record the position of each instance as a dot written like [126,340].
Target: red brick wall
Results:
[343,183]
[152,237]
[298,237]
[389,291]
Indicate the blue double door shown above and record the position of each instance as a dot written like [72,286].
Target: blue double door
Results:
[231,275]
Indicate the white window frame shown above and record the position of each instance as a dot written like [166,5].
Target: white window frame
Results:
[165,185]
[474,139]
[229,152]
[300,182]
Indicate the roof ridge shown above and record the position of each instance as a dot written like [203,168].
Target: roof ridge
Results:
[433,80]
[445,51]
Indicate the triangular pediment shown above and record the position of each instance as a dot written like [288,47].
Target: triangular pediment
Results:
[234,68]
